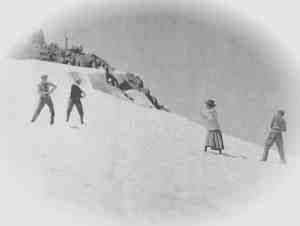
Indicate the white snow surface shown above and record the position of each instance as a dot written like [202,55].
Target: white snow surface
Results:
[128,162]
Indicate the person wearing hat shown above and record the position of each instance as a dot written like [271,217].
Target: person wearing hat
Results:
[45,89]
[278,126]
[214,139]
[75,99]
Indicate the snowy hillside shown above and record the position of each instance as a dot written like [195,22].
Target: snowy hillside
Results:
[128,161]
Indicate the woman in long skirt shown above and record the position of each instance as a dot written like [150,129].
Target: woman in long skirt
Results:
[214,139]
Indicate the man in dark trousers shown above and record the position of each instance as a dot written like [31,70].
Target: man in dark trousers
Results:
[45,88]
[278,125]
[76,94]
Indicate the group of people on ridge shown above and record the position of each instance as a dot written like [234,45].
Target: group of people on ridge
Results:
[214,138]
[45,89]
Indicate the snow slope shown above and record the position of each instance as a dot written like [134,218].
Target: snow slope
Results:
[129,162]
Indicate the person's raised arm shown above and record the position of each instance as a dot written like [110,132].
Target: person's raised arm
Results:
[284,125]
[53,87]
[272,122]
[204,116]
[39,89]
[83,94]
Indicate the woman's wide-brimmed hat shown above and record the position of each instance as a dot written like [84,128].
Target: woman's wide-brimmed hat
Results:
[44,76]
[210,103]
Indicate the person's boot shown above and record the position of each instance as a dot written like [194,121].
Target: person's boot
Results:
[265,155]
[283,160]
[52,121]
[68,116]
[220,152]
[205,149]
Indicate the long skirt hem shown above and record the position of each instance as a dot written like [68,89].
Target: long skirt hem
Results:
[214,140]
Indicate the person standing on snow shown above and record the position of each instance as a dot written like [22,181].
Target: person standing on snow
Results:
[45,88]
[75,99]
[214,139]
[278,125]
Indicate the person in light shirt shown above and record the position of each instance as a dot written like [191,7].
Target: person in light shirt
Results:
[277,127]
[45,89]
[214,139]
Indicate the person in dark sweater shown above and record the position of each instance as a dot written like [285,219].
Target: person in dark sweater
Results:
[75,99]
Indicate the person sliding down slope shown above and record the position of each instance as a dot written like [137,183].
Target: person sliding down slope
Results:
[214,139]
[75,99]
[110,79]
[45,88]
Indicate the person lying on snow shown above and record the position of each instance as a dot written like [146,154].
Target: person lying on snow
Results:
[214,139]
[45,89]
[75,99]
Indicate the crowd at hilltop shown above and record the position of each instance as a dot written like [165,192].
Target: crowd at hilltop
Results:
[37,48]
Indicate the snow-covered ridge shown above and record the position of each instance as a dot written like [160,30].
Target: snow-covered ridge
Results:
[106,78]
[127,160]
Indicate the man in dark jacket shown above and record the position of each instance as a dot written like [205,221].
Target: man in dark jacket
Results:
[45,88]
[76,94]
[278,125]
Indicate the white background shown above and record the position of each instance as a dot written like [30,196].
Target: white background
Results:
[279,18]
